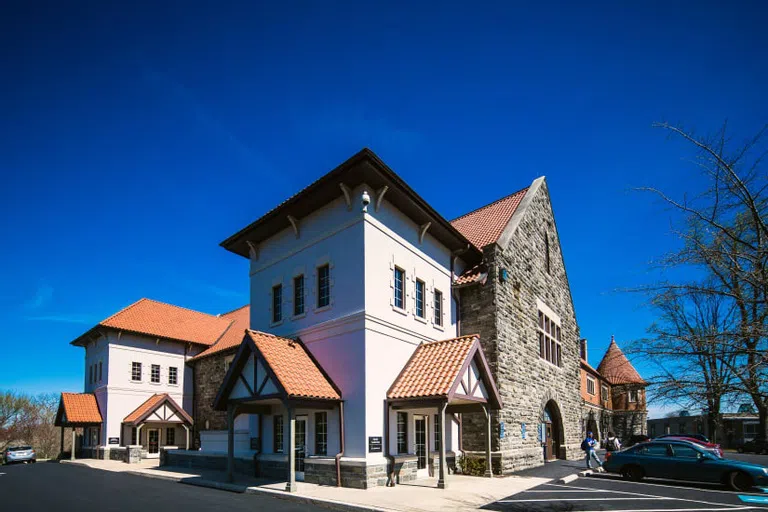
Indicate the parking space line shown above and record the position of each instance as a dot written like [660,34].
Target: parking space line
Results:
[676,509]
[586,499]
[654,496]
[550,491]
[613,478]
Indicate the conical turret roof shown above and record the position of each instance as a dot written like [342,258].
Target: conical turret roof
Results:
[616,368]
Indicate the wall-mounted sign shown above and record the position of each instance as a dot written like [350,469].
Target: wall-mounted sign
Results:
[255,443]
[523,433]
[114,440]
[374,444]
[501,430]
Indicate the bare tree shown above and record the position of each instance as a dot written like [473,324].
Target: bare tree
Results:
[12,406]
[725,236]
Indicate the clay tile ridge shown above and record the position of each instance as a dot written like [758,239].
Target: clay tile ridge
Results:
[485,225]
[616,368]
[433,368]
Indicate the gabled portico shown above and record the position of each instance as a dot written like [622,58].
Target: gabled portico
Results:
[160,414]
[451,376]
[270,373]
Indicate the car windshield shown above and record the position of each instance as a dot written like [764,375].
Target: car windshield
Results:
[19,448]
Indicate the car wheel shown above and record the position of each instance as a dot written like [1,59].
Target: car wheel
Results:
[739,481]
[633,473]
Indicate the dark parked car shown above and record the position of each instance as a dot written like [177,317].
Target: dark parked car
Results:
[754,446]
[19,454]
[712,447]
[636,439]
[700,437]
[683,460]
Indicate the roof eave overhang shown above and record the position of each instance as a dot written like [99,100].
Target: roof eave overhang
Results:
[363,167]
[81,340]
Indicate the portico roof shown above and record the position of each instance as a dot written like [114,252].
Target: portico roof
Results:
[159,408]
[78,409]
[454,370]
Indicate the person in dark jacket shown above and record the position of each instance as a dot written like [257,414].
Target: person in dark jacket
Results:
[588,445]
[612,444]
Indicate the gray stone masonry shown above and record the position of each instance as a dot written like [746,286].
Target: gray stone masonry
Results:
[208,376]
[505,316]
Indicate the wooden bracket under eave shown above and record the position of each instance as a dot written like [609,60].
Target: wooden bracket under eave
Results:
[347,195]
[423,231]
[380,196]
[294,224]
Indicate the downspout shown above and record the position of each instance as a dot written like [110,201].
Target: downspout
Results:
[390,457]
[341,444]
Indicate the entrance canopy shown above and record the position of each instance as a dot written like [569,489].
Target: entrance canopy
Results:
[159,408]
[451,371]
[78,410]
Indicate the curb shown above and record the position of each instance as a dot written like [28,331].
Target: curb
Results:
[570,478]
[320,502]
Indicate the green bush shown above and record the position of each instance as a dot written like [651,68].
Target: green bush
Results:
[471,466]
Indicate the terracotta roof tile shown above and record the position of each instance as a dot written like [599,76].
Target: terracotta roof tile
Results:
[153,403]
[240,320]
[433,368]
[485,225]
[616,368]
[299,374]
[472,275]
[80,408]
[167,321]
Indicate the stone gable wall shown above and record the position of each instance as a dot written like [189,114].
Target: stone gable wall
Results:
[506,317]
[208,376]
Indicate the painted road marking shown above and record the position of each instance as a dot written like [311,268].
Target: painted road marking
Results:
[678,509]
[633,498]
[613,478]
[654,496]
[753,499]
[549,491]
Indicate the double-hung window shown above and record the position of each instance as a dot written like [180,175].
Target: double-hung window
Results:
[402,432]
[420,298]
[321,433]
[155,373]
[277,433]
[170,436]
[298,295]
[173,375]
[632,395]
[549,340]
[277,303]
[323,286]
[136,371]
[438,300]
[590,385]
[399,288]
[604,392]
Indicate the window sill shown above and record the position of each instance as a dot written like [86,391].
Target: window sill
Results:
[400,310]
[322,309]
[299,316]
[276,324]
[155,383]
[136,381]
[420,319]
[174,385]
[438,327]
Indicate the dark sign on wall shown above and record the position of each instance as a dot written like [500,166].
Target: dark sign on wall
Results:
[114,440]
[374,445]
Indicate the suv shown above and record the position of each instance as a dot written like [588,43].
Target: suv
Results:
[19,454]
[755,446]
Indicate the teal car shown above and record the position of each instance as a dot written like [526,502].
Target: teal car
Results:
[682,460]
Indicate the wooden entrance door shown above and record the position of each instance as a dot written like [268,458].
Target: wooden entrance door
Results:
[548,445]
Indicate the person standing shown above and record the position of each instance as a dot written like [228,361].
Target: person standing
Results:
[612,444]
[588,445]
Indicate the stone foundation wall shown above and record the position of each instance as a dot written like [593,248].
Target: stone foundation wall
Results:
[505,315]
[198,460]
[208,376]
[405,468]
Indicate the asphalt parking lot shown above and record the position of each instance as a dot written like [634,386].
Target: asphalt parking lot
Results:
[611,493]
[49,486]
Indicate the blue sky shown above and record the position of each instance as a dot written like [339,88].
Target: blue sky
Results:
[134,139]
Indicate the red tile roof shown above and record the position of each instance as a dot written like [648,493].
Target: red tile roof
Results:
[432,369]
[616,368]
[240,320]
[299,374]
[472,275]
[78,408]
[168,321]
[485,225]
[153,403]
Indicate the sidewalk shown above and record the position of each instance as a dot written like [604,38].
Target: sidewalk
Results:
[463,493]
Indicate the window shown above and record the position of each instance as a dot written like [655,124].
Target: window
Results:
[652,431]
[298,295]
[402,432]
[420,298]
[399,288]
[155,375]
[654,450]
[549,340]
[323,286]
[90,374]
[681,428]
[590,385]
[100,374]
[438,307]
[546,252]
[632,395]
[136,371]
[277,303]
[604,392]
[170,436]
[437,432]
[583,349]
[173,375]
[133,435]
[321,433]
[278,433]
[685,452]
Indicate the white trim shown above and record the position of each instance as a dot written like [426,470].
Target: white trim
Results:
[547,311]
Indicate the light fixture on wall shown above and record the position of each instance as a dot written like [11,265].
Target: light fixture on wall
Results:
[503,275]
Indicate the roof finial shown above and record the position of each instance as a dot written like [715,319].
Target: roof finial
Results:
[613,340]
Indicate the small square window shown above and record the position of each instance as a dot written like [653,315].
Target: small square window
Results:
[277,303]
[420,298]
[323,286]
[155,376]
[136,371]
[173,375]
[298,295]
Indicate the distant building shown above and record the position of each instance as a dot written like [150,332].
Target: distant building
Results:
[613,395]
[737,428]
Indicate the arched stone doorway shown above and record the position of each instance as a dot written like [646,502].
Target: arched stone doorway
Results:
[593,427]
[552,426]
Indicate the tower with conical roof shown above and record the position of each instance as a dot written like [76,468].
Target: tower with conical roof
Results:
[627,392]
